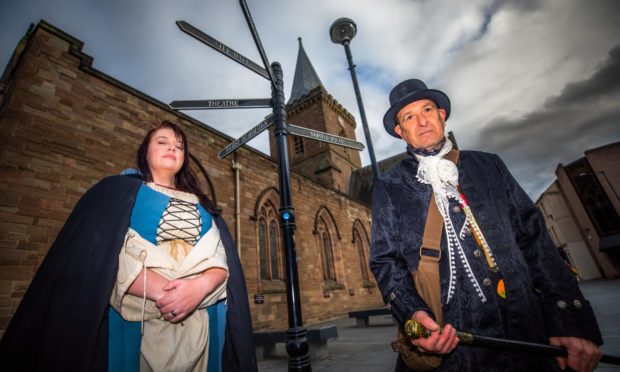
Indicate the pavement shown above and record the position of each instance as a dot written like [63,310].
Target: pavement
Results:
[604,295]
[367,349]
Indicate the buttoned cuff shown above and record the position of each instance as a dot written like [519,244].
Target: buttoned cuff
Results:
[571,317]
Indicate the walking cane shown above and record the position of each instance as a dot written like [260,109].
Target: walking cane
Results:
[415,330]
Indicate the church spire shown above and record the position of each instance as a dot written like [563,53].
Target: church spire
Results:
[305,78]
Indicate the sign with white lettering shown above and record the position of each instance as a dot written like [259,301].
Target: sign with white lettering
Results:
[246,137]
[221,104]
[324,137]
[222,48]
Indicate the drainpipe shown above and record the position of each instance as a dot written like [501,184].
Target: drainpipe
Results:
[237,168]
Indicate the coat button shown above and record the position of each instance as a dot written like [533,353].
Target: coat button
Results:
[477,253]
[389,306]
[486,282]
[577,304]
[456,209]
[561,304]
[392,296]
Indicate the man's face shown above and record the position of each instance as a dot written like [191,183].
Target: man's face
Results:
[421,124]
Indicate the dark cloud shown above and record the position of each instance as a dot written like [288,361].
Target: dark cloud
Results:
[584,115]
[604,82]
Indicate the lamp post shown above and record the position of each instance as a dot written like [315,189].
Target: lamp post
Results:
[342,31]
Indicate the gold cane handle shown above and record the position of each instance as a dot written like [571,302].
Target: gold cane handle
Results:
[415,330]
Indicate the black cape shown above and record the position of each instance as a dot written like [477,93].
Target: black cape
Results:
[62,321]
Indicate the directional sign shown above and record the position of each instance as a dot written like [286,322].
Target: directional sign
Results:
[324,137]
[222,48]
[246,137]
[221,104]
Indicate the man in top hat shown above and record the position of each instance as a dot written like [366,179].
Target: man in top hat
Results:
[499,273]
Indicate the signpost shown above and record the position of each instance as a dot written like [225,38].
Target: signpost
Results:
[297,344]
[222,48]
[246,137]
[221,104]
[324,137]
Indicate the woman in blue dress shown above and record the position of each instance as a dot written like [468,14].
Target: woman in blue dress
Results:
[172,268]
[176,297]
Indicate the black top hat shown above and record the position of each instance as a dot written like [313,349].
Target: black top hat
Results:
[410,91]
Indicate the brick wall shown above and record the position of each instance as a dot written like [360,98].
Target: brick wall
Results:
[64,126]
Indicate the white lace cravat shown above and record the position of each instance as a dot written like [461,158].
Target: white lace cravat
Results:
[443,176]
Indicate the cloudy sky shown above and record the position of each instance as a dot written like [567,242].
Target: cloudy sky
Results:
[536,81]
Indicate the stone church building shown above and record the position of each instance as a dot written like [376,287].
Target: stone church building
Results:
[65,125]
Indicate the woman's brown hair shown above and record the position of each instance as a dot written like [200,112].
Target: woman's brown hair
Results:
[185,179]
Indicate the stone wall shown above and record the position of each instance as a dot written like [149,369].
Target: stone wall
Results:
[65,125]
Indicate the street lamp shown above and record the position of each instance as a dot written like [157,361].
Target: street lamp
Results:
[342,31]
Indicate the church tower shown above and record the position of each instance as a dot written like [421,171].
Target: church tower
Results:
[310,106]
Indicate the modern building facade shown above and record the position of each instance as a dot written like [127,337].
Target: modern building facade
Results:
[582,211]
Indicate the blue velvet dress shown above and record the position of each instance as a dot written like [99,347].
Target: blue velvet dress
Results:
[124,336]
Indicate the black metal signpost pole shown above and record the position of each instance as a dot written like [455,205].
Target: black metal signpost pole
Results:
[297,344]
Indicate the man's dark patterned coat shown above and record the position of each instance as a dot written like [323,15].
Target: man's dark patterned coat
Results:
[543,298]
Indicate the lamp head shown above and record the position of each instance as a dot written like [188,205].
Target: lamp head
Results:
[342,30]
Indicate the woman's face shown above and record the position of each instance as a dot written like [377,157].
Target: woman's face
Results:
[165,153]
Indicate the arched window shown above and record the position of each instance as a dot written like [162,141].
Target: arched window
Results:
[271,261]
[360,240]
[299,145]
[327,236]
[327,258]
